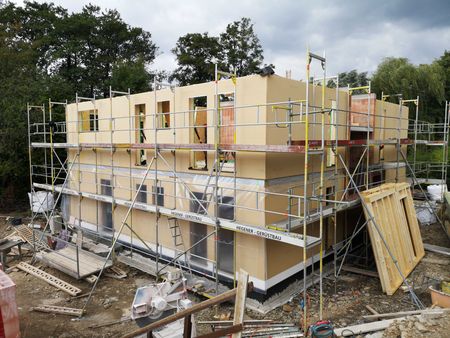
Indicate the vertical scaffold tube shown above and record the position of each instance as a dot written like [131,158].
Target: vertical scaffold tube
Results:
[155,183]
[217,160]
[305,188]
[322,168]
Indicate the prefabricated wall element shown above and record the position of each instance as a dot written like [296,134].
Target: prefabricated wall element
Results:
[395,234]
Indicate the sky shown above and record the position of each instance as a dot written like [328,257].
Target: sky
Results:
[353,34]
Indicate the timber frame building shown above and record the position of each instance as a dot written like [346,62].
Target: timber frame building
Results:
[257,172]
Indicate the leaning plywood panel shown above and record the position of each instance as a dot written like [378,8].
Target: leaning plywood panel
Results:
[378,204]
[396,225]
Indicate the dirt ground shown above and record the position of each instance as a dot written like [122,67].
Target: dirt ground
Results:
[344,300]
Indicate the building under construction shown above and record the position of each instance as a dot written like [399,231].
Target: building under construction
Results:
[258,172]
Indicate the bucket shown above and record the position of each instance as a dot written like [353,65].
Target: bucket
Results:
[439,298]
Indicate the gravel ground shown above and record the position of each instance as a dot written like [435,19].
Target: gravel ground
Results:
[345,300]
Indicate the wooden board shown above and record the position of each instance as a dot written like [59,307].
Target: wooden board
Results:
[392,207]
[239,305]
[50,279]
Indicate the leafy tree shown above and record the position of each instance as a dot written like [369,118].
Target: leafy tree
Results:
[196,54]
[238,48]
[47,52]
[242,50]
[92,42]
[399,76]
[131,75]
[444,62]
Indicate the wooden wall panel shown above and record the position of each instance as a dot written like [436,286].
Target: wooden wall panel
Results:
[392,207]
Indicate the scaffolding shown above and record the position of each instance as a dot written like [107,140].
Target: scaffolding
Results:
[308,203]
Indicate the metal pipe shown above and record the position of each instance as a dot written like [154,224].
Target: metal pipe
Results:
[155,182]
[415,133]
[305,189]
[321,194]
[216,160]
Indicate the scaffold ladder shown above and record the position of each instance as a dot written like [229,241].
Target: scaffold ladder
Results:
[178,242]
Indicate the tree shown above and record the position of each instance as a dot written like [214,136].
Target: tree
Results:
[47,52]
[238,48]
[399,76]
[352,79]
[241,49]
[131,75]
[196,54]
[91,43]
[21,80]
[444,62]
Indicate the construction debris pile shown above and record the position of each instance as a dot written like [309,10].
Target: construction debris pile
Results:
[170,298]
[431,324]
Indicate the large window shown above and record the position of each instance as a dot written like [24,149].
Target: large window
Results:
[106,208]
[227,131]
[88,120]
[198,132]
[226,237]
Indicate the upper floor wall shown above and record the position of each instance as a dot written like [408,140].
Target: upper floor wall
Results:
[253,110]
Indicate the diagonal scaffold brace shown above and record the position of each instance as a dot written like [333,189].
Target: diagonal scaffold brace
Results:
[116,237]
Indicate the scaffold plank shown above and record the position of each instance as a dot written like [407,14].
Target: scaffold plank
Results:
[50,279]
[61,310]
[296,146]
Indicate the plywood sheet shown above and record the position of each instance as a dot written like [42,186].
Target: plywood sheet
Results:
[392,207]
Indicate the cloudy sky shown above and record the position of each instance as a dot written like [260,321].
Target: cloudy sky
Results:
[354,34]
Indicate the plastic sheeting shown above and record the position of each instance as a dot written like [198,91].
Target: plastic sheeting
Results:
[425,216]
[41,201]
[437,191]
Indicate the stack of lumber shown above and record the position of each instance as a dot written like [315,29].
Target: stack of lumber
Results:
[392,207]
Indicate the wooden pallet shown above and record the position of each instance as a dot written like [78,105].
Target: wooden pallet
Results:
[26,233]
[61,310]
[50,279]
[392,207]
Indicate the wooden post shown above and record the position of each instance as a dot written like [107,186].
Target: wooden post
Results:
[239,305]
[223,332]
[187,332]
